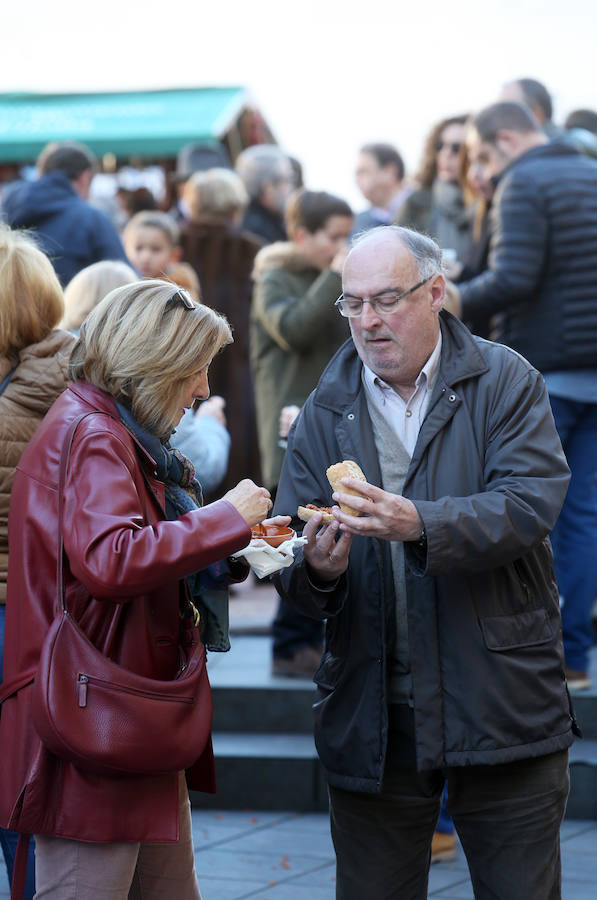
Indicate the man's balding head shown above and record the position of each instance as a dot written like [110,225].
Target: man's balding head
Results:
[386,262]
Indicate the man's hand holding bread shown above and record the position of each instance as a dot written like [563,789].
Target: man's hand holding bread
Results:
[362,509]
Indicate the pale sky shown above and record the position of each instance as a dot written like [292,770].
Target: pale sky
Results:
[327,75]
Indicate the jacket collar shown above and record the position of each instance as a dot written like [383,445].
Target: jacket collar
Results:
[551,150]
[99,400]
[461,358]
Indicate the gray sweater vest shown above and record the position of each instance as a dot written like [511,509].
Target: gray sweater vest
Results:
[394,461]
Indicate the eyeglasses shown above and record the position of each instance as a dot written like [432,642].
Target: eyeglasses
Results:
[453,146]
[383,304]
[180,296]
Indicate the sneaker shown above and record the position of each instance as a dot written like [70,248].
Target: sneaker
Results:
[443,847]
[303,664]
[577,681]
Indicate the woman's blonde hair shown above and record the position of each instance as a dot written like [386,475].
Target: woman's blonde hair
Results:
[215,193]
[31,301]
[91,285]
[141,343]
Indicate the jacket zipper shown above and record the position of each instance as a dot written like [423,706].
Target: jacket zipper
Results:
[85,680]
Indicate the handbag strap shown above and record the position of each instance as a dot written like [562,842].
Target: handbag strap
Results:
[61,606]
[5,381]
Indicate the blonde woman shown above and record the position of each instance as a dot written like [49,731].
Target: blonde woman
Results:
[133,528]
[91,285]
[33,367]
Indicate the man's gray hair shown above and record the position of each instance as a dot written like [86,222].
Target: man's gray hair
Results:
[426,252]
[259,164]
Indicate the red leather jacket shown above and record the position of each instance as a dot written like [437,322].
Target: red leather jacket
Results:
[120,548]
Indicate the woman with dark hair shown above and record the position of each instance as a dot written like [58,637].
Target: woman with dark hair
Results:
[134,535]
[437,207]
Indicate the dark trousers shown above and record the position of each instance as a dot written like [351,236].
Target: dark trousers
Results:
[291,631]
[574,537]
[507,817]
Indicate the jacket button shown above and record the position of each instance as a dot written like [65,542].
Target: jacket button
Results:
[452,398]
[350,417]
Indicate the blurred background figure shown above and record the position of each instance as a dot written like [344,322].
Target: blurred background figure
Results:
[295,330]
[437,207]
[222,255]
[190,159]
[91,285]
[581,129]
[152,243]
[70,231]
[535,95]
[380,178]
[268,177]
[33,366]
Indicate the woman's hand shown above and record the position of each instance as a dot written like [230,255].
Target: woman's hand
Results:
[252,502]
[326,556]
[277,520]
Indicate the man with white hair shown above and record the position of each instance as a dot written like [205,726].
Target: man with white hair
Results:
[268,177]
[443,657]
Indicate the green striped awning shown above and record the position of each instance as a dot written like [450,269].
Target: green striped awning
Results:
[146,123]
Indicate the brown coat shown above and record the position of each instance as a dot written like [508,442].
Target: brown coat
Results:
[120,550]
[223,259]
[39,379]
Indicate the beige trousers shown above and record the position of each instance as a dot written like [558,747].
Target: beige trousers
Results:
[73,870]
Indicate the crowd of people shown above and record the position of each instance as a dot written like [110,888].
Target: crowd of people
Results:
[444,338]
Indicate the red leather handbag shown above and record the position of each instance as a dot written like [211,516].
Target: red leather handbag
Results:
[106,719]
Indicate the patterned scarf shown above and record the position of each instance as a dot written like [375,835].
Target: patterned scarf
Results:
[209,608]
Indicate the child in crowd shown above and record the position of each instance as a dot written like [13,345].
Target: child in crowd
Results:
[151,242]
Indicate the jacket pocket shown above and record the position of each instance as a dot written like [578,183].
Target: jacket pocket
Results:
[524,629]
[329,671]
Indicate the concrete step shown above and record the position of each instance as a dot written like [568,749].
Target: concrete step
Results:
[265,754]
[266,772]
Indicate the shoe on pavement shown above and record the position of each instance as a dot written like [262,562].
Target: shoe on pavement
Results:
[443,847]
[303,664]
[577,681]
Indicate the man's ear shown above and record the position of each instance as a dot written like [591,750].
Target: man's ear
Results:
[507,142]
[438,292]
[82,184]
[299,234]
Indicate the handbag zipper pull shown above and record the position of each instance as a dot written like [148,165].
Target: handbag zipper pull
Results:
[83,682]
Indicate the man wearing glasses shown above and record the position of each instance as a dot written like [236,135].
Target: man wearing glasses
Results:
[443,658]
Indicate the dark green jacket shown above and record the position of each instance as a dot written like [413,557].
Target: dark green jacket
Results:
[295,330]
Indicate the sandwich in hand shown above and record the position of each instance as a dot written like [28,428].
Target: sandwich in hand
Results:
[346,469]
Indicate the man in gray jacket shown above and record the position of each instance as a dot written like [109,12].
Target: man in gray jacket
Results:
[443,657]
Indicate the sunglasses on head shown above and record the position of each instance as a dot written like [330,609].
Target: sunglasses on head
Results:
[180,296]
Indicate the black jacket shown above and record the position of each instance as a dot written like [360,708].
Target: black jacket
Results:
[542,272]
[488,477]
[70,231]
[266,224]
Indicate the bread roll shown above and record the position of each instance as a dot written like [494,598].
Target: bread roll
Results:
[305,512]
[346,469]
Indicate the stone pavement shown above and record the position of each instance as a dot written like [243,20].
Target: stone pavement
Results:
[285,856]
